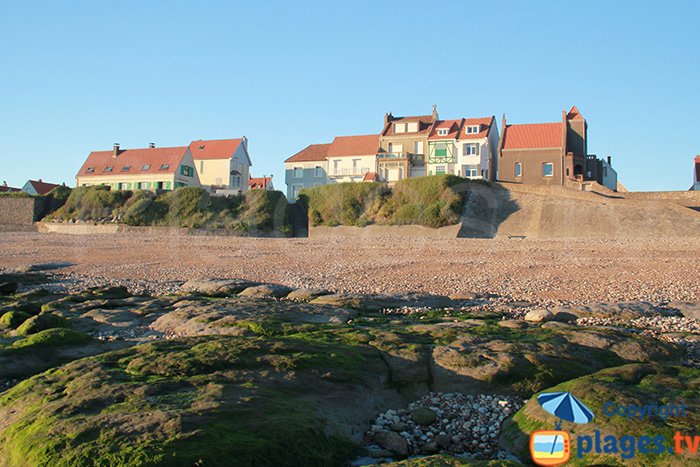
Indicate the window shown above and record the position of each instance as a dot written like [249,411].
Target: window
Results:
[108,169]
[399,127]
[471,170]
[146,167]
[518,169]
[143,185]
[440,169]
[547,169]
[471,149]
[318,171]
[412,127]
[164,166]
[298,172]
[418,147]
[126,168]
[442,131]
[440,150]
[90,170]
[187,171]
[471,129]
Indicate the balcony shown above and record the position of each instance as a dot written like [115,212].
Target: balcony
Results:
[418,159]
[349,172]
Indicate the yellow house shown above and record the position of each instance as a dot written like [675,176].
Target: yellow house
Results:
[222,164]
[139,169]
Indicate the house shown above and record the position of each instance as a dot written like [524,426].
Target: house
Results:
[7,189]
[696,175]
[139,169]
[466,147]
[352,158]
[306,169]
[402,146]
[38,187]
[222,165]
[601,171]
[547,153]
[260,183]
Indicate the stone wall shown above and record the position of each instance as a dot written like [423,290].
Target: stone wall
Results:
[19,214]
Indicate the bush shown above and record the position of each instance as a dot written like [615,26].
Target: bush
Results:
[52,338]
[433,201]
[89,203]
[41,322]
[12,319]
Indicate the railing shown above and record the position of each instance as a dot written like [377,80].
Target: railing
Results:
[418,158]
[349,171]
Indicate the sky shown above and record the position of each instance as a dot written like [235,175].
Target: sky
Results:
[79,76]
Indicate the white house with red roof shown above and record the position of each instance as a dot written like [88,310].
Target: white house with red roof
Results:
[149,168]
[352,158]
[38,187]
[465,147]
[223,165]
[260,183]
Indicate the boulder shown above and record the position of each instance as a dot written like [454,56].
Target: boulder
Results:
[266,291]
[512,324]
[423,416]
[392,441]
[216,287]
[41,322]
[539,316]
[564,317]
[305,295]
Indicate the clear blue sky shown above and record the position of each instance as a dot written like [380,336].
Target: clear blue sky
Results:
[79,76]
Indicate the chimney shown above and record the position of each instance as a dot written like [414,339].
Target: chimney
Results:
[40,180]
[610,161]
[435,114]
[151,145]
[115,151]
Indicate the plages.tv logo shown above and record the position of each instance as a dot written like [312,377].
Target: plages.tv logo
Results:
[550,448]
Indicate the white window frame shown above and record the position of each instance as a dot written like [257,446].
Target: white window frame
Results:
[438,169]
[298,172]
[399,128]
[551,174]
[469,147]
[411,127]
[518,169]
[471,170]
[472,129]
[442,131]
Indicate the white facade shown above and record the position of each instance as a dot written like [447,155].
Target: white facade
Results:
[350,168]
[226,173]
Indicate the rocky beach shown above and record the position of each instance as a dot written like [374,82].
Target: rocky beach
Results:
[333,351]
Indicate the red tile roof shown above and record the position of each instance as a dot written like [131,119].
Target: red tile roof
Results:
[258,182]
[135,159]
[42,187]
[362,145]
[214,148]
[533,135]
[311,153]
[453,127]
[485,124]
[370,177]
[574,114]
[6,189]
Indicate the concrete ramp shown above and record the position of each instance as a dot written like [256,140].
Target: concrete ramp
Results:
[557,212]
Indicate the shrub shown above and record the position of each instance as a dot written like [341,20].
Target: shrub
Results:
[91,203]
[52,338]
[12,319]
[41,322]
[433,201]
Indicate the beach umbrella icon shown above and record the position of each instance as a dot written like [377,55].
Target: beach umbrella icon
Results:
[565,406]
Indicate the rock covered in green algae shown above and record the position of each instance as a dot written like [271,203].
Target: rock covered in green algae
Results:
[12,319]
[634,384]
[261,401]
[41,322]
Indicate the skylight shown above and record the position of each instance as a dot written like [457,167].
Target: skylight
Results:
[126,168]
[90,170]
[165,167]
[145,166]
[108,169]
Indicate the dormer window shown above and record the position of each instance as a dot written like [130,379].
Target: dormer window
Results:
[90,170]
[399,127]
[164,166]
[472,129]
[126,168]
[412,127]
[108,169]
[146,167]
[442,131]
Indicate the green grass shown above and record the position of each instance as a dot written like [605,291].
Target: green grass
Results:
[190,207]
[433,201]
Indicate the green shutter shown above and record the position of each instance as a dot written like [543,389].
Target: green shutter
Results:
[167,185]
